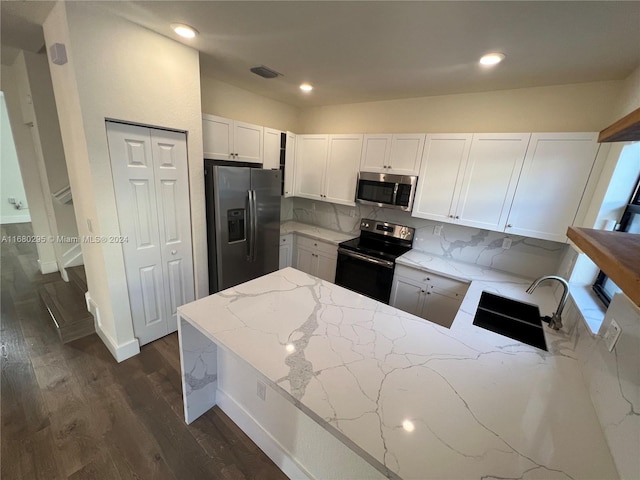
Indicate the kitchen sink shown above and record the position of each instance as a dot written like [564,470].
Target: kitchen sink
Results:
[511,318]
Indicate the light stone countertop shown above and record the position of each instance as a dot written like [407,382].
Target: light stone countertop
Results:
[414,399]
[317,233]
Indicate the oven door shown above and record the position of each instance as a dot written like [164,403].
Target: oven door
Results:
[369,276]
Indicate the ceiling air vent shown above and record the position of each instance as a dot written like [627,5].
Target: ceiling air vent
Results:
[265,72]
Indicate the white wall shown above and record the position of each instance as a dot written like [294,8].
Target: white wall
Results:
[34,82]
[10,177]
[118,70]
[580,107]
[27,158]
[219,98]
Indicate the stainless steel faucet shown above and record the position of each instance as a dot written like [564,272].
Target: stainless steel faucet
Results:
[556,320]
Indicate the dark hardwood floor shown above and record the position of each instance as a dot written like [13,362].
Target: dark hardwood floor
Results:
[71,412]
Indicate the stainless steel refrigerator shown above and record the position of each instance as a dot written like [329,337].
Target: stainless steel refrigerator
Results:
[243,223]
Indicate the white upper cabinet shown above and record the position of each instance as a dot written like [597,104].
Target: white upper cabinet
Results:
[342,169]
[470,179]
[398,154]
[490,179]
[326,167]
[226,139]
[289,164]
[311,163]
[440,176]
[271,157]
[553,180]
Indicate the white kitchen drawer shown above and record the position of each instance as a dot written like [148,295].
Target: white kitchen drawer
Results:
[312,244]
[443,284]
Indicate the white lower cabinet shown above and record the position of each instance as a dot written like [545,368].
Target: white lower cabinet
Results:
[286,250]
[316,258]
[426,295]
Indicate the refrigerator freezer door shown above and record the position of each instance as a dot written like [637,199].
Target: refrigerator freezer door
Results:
[266,185]
[231,191]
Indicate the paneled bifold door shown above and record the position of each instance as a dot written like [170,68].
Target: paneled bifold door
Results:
[152,196]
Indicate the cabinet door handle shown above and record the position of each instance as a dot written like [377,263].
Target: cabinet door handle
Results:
[450,216]
[509,225]
[457,216]
[173,252]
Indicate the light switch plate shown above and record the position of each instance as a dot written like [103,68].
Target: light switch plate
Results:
[437,230]
[612,335]
[506,243]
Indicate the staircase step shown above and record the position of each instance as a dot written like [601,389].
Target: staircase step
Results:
[67,308]
[78,277]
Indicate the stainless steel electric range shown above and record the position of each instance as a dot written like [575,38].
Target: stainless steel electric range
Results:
[366,264]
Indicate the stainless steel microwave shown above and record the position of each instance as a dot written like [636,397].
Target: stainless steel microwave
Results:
[386,190]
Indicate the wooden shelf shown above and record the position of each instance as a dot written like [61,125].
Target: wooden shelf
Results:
[627,129]
[616,253]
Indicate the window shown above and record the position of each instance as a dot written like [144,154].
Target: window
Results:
[604,287]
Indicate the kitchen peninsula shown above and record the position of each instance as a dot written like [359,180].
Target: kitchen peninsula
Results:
[400,396]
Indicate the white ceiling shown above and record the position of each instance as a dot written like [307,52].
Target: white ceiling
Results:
[376,50]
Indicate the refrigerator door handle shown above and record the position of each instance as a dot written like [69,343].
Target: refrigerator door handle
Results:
[250,225]
[254,226]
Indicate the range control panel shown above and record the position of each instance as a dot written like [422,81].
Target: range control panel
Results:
[388,229]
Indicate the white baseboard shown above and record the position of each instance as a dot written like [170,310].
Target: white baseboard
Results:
[269,445]
[120,352]
[22,218]
[73,256]
[48,267]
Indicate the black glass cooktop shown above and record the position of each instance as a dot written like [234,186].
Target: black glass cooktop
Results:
[375,248]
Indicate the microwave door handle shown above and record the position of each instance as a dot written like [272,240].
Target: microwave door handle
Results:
[394,200]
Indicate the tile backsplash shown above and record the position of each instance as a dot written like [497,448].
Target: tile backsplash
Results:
[527,257]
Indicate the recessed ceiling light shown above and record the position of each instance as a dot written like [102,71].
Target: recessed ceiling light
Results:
[492,59]
[306,87]
[184,30]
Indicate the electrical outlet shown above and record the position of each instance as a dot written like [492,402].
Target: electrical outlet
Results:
[261,390]
[612,335]
[313,207]
[352,212]
[12,200]
[506,243]
[437,230]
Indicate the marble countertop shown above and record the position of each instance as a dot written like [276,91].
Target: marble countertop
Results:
[415,399]
[317,233]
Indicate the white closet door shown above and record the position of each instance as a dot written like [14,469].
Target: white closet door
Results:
[172,187]
[149,169]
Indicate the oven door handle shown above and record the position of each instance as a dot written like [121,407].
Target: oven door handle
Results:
[359,256]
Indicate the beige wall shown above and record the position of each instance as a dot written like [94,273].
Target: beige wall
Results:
[112,73]
[219,98]
[629,97]
[579,107]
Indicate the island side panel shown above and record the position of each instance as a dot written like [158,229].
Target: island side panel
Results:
[199,370]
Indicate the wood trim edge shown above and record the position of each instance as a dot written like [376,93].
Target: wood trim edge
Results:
[627,129]
[616,253]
